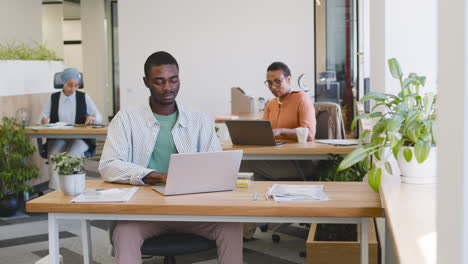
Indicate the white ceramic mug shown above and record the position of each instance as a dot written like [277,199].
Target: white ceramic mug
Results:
[302,133]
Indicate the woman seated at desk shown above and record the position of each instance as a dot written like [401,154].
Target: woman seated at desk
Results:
[287,111]
[71,107]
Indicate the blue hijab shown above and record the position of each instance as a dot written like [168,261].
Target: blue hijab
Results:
[69,74]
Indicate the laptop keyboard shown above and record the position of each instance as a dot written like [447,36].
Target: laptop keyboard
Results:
[160,188]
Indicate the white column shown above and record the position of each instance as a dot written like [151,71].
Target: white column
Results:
[52,27]
[452,188]
[20,20]
[95,54]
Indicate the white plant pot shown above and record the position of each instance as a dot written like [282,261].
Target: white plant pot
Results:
[418,173]
[72,184]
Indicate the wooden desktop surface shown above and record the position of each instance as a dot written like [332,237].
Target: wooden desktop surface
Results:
[290,148]
[88,130]
[348,199]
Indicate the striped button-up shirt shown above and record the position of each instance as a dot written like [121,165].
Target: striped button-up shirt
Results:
[132,135]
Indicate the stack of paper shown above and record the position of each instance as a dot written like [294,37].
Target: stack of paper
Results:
[105,195]
[297,193]
[338,142]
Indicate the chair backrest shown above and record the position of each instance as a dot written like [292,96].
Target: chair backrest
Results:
[330,123]
[58,84]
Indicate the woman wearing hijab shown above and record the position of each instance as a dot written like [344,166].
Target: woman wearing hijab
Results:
[72,107]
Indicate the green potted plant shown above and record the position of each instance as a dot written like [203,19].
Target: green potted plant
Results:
[71,172]
[405,129]
[15,172]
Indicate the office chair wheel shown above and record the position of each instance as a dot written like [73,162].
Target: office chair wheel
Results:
[264,228]
[302,254]
[276,238]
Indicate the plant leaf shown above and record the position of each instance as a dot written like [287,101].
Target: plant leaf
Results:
[395,68]
[421,150]
[388,167]
[374,178]
[397,147]
[379,97]
[354,157]
[408,154]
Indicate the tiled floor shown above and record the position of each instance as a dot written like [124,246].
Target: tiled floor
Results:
[24,240]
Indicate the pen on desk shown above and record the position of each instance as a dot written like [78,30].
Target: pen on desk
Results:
[255,196]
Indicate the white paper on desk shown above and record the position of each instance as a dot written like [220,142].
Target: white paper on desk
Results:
[297,193]
[338,142]
[105,195]
[293,199]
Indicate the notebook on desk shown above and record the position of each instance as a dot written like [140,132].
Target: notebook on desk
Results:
[252,132]
[201,172]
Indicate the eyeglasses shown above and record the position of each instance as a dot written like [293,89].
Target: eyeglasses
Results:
[275,83]
[71,86]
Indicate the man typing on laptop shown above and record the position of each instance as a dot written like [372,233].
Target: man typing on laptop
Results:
[138,147]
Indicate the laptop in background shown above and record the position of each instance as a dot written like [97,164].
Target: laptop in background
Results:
[201,172]
[252,132]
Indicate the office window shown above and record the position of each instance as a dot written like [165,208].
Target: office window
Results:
[335,54]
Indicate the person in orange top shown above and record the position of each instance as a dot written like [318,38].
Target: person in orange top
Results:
[287,111]
[290,109]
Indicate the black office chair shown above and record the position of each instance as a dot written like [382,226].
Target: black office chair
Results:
[173,244]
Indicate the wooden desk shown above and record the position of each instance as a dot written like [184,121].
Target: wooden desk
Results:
[289,151]
[68,132]
[351,202]
[410,215]
[242,116]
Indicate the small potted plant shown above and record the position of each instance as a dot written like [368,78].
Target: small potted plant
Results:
[15,172]
[405,129]
[71,172]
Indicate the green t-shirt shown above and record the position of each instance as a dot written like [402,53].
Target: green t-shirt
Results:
[164,146]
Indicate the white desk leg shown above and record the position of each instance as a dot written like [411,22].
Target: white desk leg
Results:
[364,240]
[53,240]
[390,257]
[86,238]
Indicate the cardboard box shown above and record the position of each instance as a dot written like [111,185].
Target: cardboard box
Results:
[331,252]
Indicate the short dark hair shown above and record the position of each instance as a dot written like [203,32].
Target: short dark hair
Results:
[159,58]
[278,65]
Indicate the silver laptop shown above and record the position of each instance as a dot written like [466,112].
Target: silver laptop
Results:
[201,172]
[252,132]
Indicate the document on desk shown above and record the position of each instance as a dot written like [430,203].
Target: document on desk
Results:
[338,142]
[297,193]
[114,195]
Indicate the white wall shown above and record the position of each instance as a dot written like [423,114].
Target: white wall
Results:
[452,188]
[20,20]
[406,30]
[218,44]
[52,35]
[73,53]
[411,37]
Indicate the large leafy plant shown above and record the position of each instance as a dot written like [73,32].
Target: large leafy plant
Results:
[407,121]
[67,164]
[15,147]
